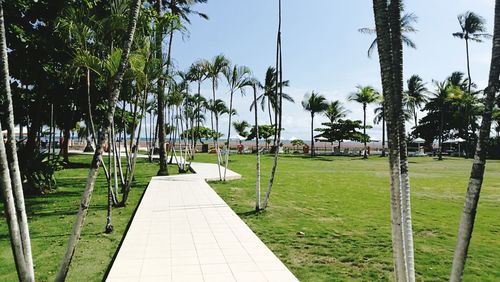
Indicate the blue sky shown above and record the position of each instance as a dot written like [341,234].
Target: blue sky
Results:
[323,51]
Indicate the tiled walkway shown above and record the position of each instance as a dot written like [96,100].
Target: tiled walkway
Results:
[183,231]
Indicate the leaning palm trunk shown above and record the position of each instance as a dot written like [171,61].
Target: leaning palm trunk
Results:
[226,157]
[391,114]
[14,205]
[397,50]
[257,177]
[278,110]
[11,216]
[161,101]
[104,131]
[477,172]
[134,152]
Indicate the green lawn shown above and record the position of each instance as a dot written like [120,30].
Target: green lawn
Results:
[341,204]
[51,218]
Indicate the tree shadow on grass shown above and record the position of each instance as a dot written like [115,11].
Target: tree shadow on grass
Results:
[76,165]
[252,213]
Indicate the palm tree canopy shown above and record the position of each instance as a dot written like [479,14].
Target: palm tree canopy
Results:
[314,103]
[182,8]
[473,27]
[218,107]
[215,67]
[406,27]
[269,88]
[335,111]
[416,93]
[365,95]
[241,128]
[238,77]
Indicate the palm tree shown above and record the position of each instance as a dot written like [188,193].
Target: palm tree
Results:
[442,95]
[415,95]
[406,27]
[473,28]
[390,50]
[238,77]
[477,172]
[11,184]
[104,131]
[335,111]
[314,103]
[365,95]
[268,96]
[241,128]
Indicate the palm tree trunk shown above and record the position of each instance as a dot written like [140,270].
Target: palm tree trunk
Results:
[89,108]
[365,156]
[278,109]
[161,92]
[226,160]
[397,45]
[383,135]
[312,134]
[387,73]
[469,84]
[105,128]
[257,169]
[440,139]
[477,172]
[9,158]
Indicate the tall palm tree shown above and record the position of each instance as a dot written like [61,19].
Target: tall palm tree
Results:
[238,77]
[10,183]
[335,111]
[477,172]
[104,131]
[365,95]
[415,95]
[314,103]
[473,29]
[406,27]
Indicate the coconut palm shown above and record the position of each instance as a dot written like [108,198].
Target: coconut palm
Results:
[473,29]
[365,95]
[10,180]
[268,97]
[415,96]
[104,131]
[406,27]
[314,103]
[477,172]
[241,128]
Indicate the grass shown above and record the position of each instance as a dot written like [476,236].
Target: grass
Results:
[51,217]
[340,203]
[342,206]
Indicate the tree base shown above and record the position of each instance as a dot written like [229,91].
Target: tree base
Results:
[109,228]
[88,148]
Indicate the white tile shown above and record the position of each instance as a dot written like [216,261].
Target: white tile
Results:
[156,267]
[219,277]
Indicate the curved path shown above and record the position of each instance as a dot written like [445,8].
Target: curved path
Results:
[183,231]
